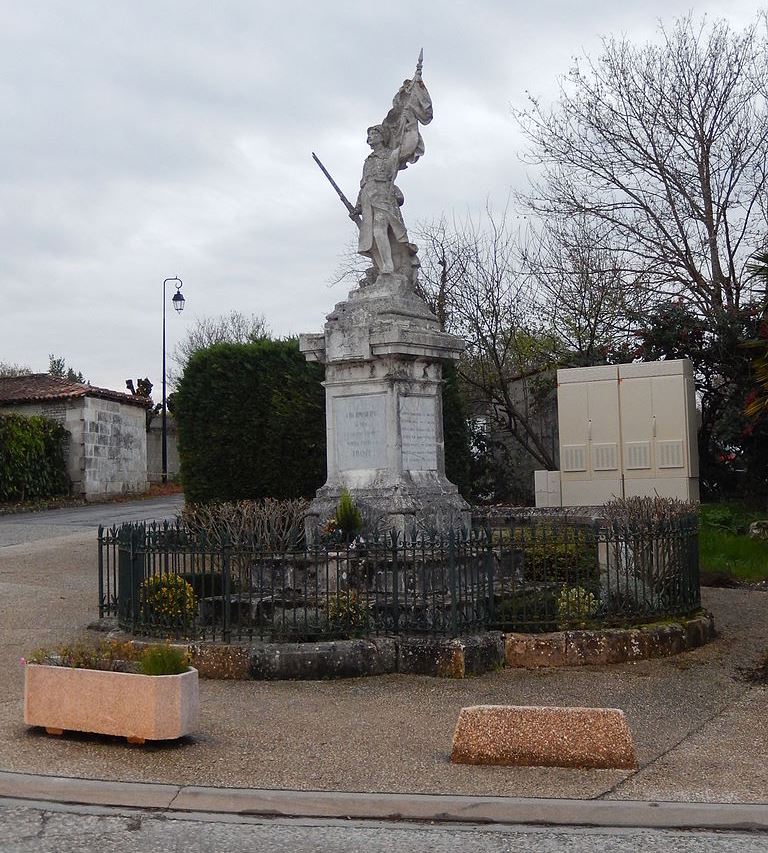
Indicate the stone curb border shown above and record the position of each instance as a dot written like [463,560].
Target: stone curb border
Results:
[442,658]
[400,807]
[610,645]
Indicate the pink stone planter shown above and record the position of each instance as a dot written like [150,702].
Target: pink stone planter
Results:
[137,707]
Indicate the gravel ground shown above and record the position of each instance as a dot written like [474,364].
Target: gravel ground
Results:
[698,727]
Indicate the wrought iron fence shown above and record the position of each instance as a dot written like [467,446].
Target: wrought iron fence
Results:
[526,572]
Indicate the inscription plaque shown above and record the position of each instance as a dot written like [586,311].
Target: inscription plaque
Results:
[418,433]
[361,431]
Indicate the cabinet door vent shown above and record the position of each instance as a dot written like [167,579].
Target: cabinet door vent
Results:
[637,455]
[575,457]
[605,457]
[670,454]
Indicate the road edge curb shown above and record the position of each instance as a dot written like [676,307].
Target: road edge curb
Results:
[448,808]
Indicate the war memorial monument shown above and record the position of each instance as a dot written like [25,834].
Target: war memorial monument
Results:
[383,351]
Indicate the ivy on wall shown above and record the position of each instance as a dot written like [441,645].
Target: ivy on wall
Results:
[32,458]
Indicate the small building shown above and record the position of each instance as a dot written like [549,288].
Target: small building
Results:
[107,452]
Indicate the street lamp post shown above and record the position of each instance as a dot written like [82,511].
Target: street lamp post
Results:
[178,304]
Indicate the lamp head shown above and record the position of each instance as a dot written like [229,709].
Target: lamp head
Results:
[178,299]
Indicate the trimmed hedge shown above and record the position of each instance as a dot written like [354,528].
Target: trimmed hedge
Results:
[251,423]
[456,435]
[33,462]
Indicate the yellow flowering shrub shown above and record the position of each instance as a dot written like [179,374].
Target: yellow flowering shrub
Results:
[575,607]
[169,598]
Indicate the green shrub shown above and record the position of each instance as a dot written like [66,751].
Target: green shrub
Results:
[163,659]
[348,518]
[251,423]
[32,458]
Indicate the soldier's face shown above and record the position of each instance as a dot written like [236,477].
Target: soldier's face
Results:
[374,136]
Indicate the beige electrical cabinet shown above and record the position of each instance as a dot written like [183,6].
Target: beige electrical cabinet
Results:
[658,426]
[627,429]
[590,437]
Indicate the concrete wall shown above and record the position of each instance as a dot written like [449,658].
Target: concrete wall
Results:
[155,452]
[107,453]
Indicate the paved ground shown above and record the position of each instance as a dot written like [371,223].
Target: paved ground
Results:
[31,829]
[19,528]
[699,730]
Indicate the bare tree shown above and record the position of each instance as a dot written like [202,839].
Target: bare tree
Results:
[591,301]
[234,327]
[471,277]
[443,260]
[525,304]
[11,369]
[666,146]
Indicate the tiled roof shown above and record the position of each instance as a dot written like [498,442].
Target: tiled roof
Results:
[37,387]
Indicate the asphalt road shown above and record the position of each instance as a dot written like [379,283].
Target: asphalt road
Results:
[20,528]
[28,828]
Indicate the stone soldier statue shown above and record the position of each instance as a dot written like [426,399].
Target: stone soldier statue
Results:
[383,352]
[396,142]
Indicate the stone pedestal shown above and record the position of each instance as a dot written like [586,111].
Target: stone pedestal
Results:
[383,352]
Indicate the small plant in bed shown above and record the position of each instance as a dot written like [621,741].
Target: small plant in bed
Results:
[163,660]
[110,656]
[576,606]
[348,518]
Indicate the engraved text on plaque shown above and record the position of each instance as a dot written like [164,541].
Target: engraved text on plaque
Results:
[361,431]
[418,433]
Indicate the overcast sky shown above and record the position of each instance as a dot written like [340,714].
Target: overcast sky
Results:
[144,139]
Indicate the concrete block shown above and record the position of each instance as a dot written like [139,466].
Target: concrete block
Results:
[221,661]
[510,735]
[665,640]
[483,653]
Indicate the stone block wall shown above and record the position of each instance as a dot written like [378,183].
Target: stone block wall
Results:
[114,441]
